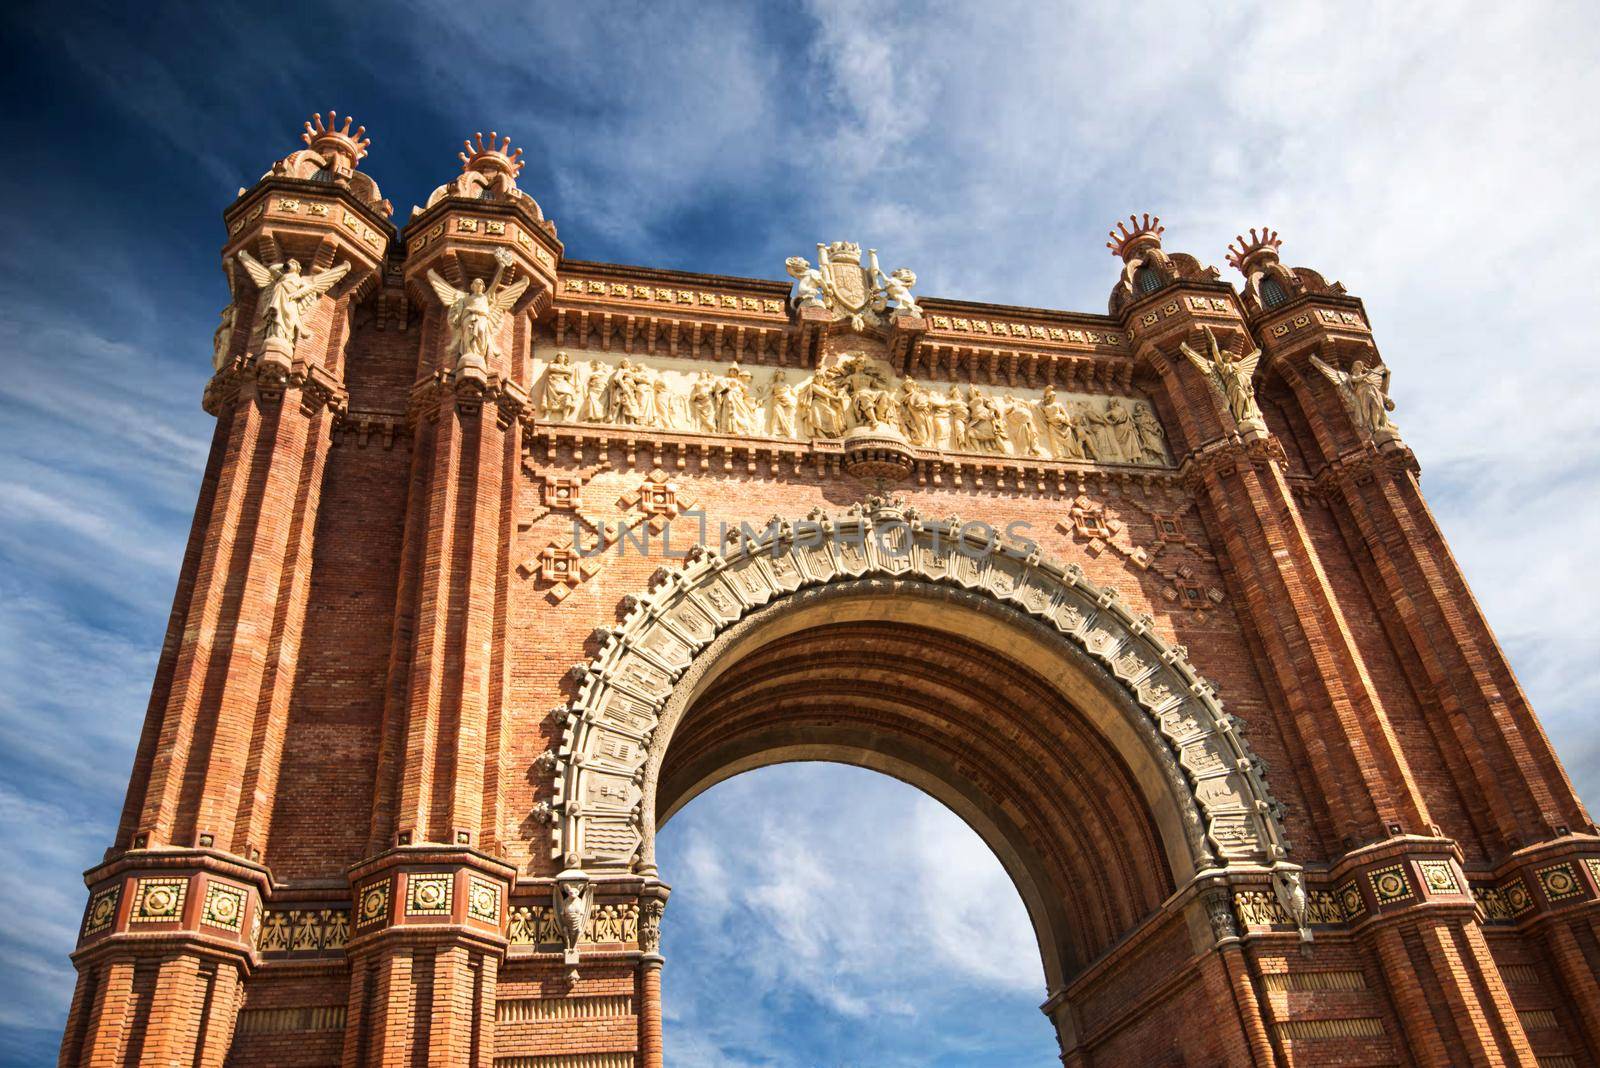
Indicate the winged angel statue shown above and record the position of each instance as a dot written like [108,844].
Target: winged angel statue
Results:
[1230,376]
[476,313]
[286,296]
[1365,392]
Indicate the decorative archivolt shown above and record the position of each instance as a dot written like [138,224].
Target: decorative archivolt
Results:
[855,392]
[609,729]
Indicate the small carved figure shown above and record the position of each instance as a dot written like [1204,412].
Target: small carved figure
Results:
[560,399]
[785,403]
[823,404]
[650,913]
[703,402]
[871,402]
[1365,392]
[286,296]
[1059,427]
[222,337]
[626,404]
[1094,433]
[916,413]
[955,412]
[1084,420]
[896,287]
[1123,433]
[736,409]
[807,292]
[573,898]
[1019,413]
[1230,376]
[986,423]
[1291,890]
[596,391]
[1151,435]
[476,312]
[659,409]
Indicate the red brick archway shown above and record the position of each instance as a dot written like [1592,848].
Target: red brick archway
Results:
[1092,759]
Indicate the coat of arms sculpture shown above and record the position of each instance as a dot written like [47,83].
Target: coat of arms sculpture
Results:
[839,282]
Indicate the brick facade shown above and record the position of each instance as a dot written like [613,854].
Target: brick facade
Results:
[1218,696]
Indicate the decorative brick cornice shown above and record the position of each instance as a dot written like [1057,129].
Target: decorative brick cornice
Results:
[1226,455]
[468,395]
[268,380]
[1360,465]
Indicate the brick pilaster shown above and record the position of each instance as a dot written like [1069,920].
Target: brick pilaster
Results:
[1521,792]
[1309,655]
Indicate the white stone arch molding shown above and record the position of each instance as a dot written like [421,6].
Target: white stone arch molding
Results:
[597,823]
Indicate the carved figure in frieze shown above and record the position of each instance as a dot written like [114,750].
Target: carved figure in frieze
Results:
[1231,377]
[1365,392]
[664,404]
[822,404]
[916,413]
[736,408]
[596,394]
[1093,433]
[626,403]
[896,287]
[703,403]
[286,297]
[1123,433]
[560,399]
[986,423]
[476,312]
[785,402]
[1059,427]
[1151,435]
[807,292]
[872,403]
[1019,416]
[955,412]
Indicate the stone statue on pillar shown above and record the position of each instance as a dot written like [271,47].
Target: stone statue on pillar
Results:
[1230,376]
[476,313]
[1365,392]
[286,296]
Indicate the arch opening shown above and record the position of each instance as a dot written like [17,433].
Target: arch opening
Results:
[1086,751]
[826,913]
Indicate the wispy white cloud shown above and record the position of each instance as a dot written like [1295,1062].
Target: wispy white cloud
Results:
[854,900]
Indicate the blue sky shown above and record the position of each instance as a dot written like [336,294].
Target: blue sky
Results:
[1440,159]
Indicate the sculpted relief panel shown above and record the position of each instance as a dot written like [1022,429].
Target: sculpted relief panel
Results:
[854,392]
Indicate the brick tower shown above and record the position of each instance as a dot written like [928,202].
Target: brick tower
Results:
[502,557]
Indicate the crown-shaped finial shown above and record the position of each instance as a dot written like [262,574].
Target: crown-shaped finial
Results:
[330,139]
[1145,231]
[495,154]
[1267,240]
[844,252]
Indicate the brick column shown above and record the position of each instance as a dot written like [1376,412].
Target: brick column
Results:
[652,904]
[165,941]
[1520,792]
[1334,716]
[1448,993]
[427,939]
[1577,977]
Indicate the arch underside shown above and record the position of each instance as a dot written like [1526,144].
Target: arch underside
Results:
[1087,753]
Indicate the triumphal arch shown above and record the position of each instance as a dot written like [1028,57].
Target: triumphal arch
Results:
[501,556]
